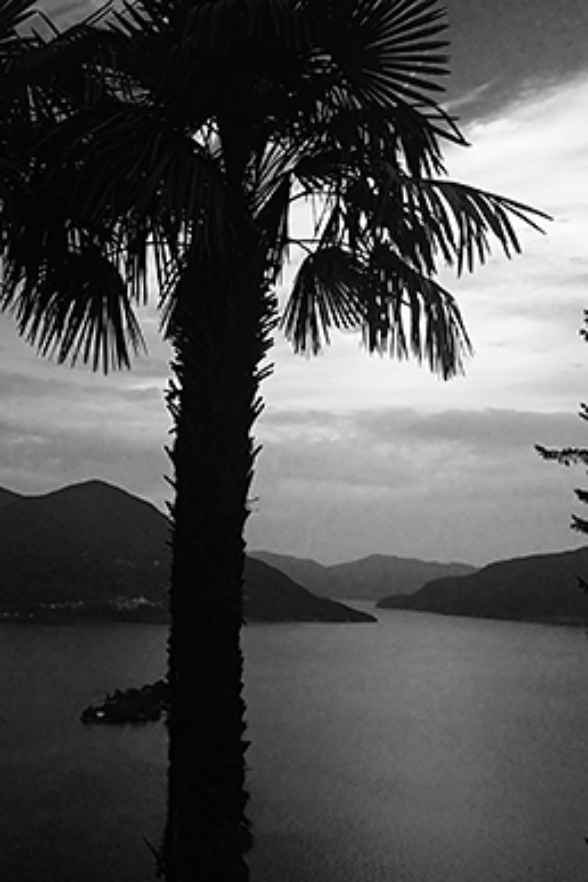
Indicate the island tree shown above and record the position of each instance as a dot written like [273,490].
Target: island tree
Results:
[162,150]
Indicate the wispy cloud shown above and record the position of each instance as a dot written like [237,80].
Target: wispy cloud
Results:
[470,98]
[41,457]
[467,484]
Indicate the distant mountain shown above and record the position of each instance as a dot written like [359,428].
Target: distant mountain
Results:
[268,590]
[314,576]
[89,541]
[94,550]
[370,578]
[540,588]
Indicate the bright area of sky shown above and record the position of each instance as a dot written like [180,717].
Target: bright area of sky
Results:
[365,455]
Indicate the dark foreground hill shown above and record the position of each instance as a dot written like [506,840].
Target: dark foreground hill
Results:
[87,542]
[92,550]
[539,588]
[370,578]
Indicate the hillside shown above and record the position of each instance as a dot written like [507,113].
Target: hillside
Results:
[370,578]
[87,541]
[93,550]
[541,588]
[266,589]
[314,576]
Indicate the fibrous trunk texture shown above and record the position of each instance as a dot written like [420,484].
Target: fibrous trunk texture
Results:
[220,332]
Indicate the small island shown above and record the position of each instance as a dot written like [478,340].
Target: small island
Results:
[144,705]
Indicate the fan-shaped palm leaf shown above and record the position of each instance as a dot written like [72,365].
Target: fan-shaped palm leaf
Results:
[326,295]
[80,310]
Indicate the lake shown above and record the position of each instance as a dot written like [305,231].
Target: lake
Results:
[421,748]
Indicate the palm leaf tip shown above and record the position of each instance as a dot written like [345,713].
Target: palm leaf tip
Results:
[79,312]
[397,310]
[444,349]
[324,297]
[409,314]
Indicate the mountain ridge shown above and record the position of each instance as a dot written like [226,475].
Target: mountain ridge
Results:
[372,577]
[95,550]
[538,587]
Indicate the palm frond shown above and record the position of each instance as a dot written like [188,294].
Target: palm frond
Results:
[581,525]
[428,219]
[77,309]
[273,220]
[173,124]
[399,296]
[13,15]
[324,296]
[398,310]
[468,217]
[160,193]
[388,53]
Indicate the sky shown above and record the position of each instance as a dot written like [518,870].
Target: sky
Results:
[366,455]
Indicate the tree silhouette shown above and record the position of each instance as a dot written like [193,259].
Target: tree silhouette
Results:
[165,148]
[569,456]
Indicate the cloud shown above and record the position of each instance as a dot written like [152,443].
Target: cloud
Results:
[363,454]
[405,449]
[44,457]
[458,484]
[533,149]
[470,98]
[481,429]
[498,431]
[60,425]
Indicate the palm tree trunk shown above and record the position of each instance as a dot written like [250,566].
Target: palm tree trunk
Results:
[220,332]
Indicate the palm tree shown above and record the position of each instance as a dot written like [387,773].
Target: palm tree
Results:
[171,144]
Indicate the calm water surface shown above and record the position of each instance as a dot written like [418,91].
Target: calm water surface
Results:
[422,748]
